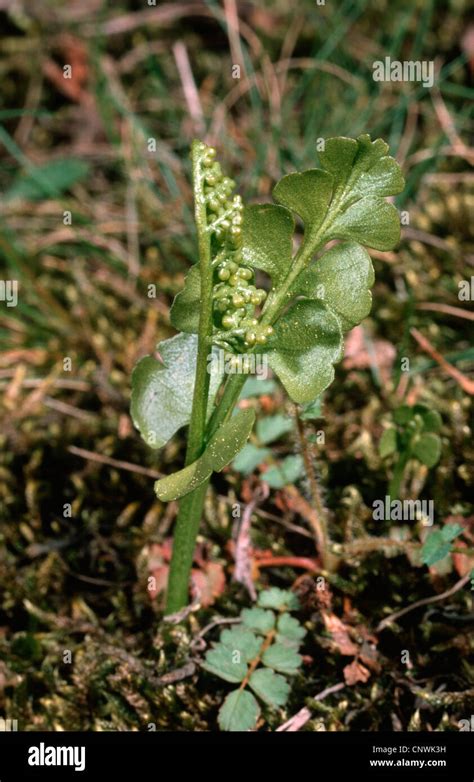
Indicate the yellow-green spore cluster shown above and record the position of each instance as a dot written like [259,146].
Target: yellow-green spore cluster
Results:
[236,299]
[236,296]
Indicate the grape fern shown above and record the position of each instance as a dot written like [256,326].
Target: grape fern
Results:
[299,324]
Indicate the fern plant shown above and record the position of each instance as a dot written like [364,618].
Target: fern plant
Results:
[257,655]
[314,297]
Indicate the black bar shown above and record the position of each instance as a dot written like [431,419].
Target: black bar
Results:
[133,755]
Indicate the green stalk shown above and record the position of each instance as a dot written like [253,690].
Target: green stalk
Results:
[232,389]
[395,483]
[190,507]
[184,541]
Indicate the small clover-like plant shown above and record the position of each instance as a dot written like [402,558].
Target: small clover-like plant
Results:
[413,436]
[314,297]
[257,655]
[280,473]
[439,543]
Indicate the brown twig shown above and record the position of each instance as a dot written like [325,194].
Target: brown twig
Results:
[284,523]
[300,505]
[426,238]
[424,602]
[34,382]
[101,459]
[190,91]
[272,517]
[298,562]
[303,715]
[449,151]
[368,544]
[446,121]
[466,384]
[216,623]
[243,559]
[165,14]
[65,409]
[178,675]
[457,312]
[306,63]
[232,20]
[179,616]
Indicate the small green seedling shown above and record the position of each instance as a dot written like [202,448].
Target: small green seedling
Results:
[297,324]
[439,543]
[281,472]
[257,655]
[414,436]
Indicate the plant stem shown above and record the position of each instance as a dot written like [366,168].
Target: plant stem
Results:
[190,507]
[232,389]
[395,483]
[184,541]
[321,533]
[267,641]
[201,386]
